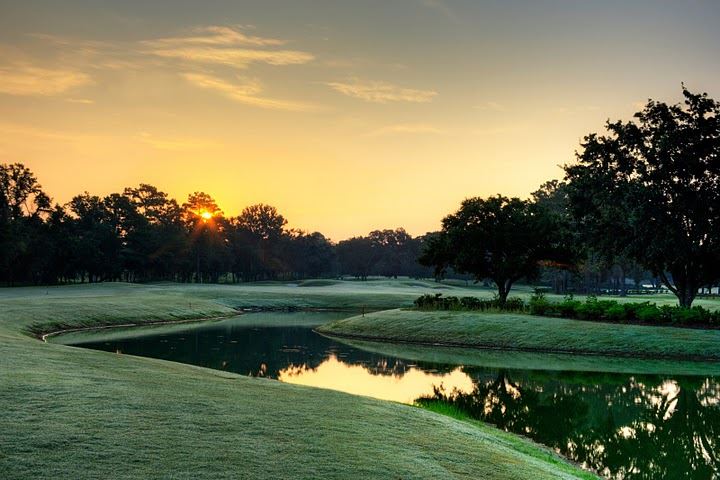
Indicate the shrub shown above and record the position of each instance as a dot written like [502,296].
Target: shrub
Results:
[587,311]
[539,305]
[616,313]
[591,309]
[451,303]
[694,315]
[513,305]
[438,302]
[666,313]
[427,301]
[649,314]
[568,308]
[471,303]
[631,309]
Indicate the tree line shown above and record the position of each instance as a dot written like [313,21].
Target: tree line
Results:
[144,235]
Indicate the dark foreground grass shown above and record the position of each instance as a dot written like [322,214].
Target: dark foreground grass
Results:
[74,413]
[529,333]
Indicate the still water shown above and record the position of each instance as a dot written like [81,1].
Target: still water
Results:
[619,425]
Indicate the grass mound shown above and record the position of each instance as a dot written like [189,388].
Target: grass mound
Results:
[529,333]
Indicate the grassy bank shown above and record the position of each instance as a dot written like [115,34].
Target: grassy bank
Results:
[529,333]
[76,413]
[487,358]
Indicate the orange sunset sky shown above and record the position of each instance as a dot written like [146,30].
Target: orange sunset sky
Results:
[347,116]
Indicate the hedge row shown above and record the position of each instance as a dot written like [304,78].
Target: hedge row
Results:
[439,302]
[590,309]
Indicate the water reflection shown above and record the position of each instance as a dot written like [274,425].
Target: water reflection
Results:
[360,380]
[620,426]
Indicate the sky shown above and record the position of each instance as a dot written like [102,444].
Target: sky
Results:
[348,116]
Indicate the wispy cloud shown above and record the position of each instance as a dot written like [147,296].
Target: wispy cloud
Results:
[215,35]
[236,57]
[246,91]
[27,79]
[225,46]
[83,101]
[407,128]
[381,92]
[93,54]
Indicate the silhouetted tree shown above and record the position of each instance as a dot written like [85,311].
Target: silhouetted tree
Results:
[160,240]
[263,221]
[356,257]
[96,240]
[309,255]
[503,239]
[22,205]
[206,227]
[649,189]
[392,251]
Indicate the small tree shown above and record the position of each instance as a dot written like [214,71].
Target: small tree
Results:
[649,191]
[503,239]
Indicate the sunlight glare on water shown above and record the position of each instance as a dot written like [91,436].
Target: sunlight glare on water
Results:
[358,380]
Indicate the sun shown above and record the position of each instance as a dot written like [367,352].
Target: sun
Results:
[206,215]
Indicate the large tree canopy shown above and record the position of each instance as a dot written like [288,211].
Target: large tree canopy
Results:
[649,189]
[262,220]
[503,239]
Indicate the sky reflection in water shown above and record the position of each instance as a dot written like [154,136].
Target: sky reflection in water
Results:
[357,379]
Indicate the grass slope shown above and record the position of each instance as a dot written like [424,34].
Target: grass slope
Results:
[535,361]
[529,333]
[75,413]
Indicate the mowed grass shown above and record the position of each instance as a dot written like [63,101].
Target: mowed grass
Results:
[529,333]
[73,413]
[520,360]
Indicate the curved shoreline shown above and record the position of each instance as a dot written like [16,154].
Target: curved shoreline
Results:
[496,348]
[530,334]
[45,336]
[239,311]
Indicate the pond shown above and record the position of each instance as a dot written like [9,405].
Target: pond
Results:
[621,425]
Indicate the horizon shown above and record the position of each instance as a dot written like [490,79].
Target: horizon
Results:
[343,131]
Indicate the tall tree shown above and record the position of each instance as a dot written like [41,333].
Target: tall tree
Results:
[356,256]
[262,220]
[392,251]
[96,241]
[160,241]
[649,190]
[503,239]
[22,206]
[207,236]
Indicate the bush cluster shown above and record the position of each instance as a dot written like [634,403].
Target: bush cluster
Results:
[613,311]
[591,309]
[439,302]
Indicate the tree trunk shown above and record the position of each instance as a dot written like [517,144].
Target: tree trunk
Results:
[504,287]
[684,288]
[685,296]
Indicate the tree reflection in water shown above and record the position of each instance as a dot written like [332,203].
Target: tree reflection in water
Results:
[620,426]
